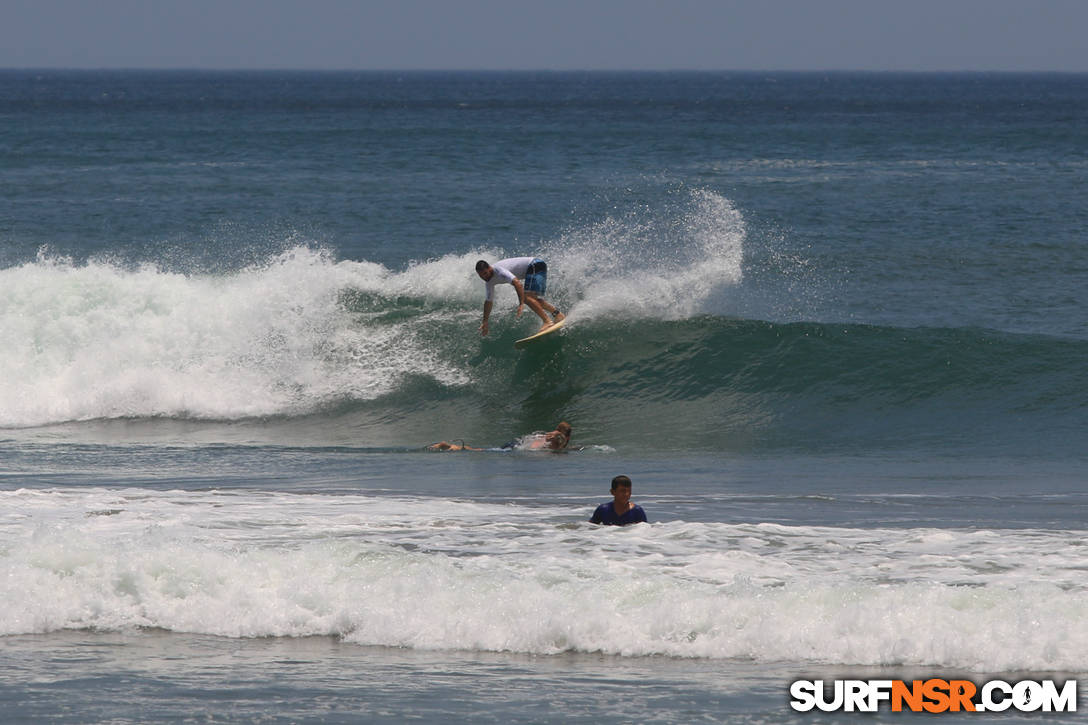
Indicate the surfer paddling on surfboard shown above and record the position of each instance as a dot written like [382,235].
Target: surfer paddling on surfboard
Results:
[534,272]
[554,440]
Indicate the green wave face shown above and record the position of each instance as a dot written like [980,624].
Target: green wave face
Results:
[726,384]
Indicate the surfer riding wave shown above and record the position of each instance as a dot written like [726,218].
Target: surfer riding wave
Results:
[534,273]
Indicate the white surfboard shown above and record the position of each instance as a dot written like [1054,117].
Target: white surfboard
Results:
[543,333]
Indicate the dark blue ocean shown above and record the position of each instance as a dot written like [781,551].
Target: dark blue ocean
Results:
[832,326]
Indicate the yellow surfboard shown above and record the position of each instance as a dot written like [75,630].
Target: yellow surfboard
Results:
[533,338]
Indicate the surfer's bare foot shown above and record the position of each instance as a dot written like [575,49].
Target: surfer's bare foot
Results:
[545,326]
[559,316]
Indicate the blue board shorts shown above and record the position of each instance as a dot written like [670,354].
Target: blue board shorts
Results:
[536,277]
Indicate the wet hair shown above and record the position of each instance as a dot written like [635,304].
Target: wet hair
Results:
[621,481]
[565,429]
[481,265]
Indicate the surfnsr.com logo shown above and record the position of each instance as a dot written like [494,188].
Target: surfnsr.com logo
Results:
[933,695]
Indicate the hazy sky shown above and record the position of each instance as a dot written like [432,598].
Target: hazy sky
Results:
[547,34]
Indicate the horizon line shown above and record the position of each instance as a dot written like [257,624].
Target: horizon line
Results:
[289,69]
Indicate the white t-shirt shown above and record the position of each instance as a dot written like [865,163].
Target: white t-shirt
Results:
[506,270]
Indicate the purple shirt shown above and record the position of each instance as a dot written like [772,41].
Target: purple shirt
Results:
[606,514]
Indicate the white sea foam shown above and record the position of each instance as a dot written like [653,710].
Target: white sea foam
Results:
[101,341]
[104,340]
[662,265]
[447,574]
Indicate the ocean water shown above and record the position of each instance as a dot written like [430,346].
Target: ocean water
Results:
[832,325]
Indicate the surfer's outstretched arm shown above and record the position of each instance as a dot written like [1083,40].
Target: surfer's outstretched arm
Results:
[487,314]
[521,296]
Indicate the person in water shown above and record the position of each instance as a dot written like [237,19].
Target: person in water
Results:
[446,446]
[555,440]
[619,511]
[534,272]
